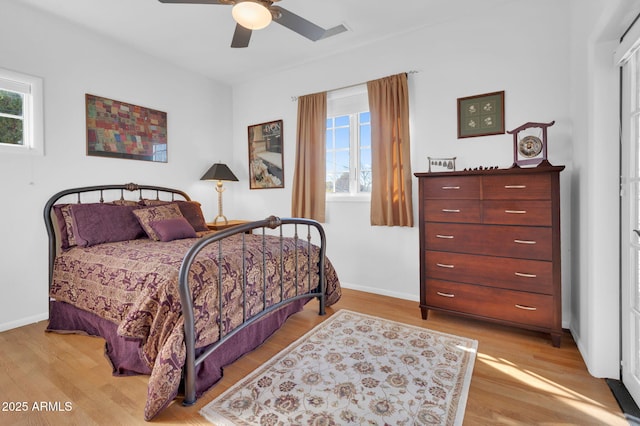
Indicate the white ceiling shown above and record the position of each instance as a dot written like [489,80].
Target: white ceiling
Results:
[197,37]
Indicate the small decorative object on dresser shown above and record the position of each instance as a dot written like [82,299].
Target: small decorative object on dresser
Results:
[490,246]
[530,144]
[444,164]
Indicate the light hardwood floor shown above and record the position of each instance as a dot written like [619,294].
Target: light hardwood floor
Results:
[519,378]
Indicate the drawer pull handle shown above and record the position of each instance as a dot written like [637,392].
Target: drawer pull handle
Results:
[515,211]
[451,210]
[526,308]
[446,237]
[439,293]
[524,242]
[522,274]
[515,186]
[448,188]
[444,265]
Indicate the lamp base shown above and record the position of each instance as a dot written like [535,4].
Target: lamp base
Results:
[220,216]
[219,190]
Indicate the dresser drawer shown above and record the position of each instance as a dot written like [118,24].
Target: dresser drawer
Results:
[523,242]
[535,186]
[454,237]
[508,305]
[461,187]
[516,274]
[519,212]
[467,211]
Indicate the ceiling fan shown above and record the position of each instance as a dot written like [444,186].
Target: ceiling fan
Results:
[257,14]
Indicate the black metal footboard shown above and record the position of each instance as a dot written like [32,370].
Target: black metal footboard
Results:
[273,223]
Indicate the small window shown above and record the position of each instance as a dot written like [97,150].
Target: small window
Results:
[348,142]
[21,118]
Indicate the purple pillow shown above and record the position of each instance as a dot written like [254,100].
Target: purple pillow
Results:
[192,211]
[173,229]
[104,223]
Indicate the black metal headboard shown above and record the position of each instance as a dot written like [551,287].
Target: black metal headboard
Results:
[142,190]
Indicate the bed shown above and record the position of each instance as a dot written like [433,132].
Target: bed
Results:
[138,266]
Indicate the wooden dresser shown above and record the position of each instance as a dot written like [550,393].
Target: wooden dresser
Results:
[490,246]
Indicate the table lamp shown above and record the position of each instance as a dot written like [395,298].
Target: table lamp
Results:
[219,172]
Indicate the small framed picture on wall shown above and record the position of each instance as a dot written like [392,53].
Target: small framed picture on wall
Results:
[481,115]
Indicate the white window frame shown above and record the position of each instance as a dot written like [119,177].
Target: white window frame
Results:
[350,102]
[31,88]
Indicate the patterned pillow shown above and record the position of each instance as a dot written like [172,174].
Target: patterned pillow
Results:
[63,225]
[124,202]
[150,202]
[191,210]
[147,215]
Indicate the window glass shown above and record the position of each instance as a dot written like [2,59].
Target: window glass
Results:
[348,142]
[21,113]
[11,121]
[343,138]
[11,118]
[342,120]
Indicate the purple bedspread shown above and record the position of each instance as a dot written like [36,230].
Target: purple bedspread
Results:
[134,284]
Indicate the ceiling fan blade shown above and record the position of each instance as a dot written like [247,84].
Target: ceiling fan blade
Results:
[195,1]
[297,23]
[334,31]
[241,36]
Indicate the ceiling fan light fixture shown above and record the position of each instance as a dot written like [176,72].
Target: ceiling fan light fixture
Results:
[251,15]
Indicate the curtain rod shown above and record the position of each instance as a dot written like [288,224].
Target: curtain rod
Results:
[295,98]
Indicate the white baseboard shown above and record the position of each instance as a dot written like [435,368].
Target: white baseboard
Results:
[381,292]
[23,321]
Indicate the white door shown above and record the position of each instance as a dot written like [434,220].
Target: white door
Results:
[630,225]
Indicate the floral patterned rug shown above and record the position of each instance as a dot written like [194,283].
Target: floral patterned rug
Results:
[355,369]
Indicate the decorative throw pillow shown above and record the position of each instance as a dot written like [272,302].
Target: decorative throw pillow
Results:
[99,223]
[68,221]
[124,202]
[173,229]
[147,215]
[60,225]
[149,202]
[191,210]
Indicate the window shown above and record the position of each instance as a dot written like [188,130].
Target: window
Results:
[21,124]
[348,141]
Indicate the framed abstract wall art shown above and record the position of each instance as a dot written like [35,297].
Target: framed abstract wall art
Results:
[481,115]
[120,130]
[266,161]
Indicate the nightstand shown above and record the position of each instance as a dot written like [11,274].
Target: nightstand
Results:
[221,225]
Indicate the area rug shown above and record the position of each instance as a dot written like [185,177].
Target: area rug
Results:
[355,369]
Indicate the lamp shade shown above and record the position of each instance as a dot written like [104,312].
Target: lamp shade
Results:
[219,171]
[251,14]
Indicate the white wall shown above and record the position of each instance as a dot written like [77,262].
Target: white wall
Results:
[466,56]
[73,62]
